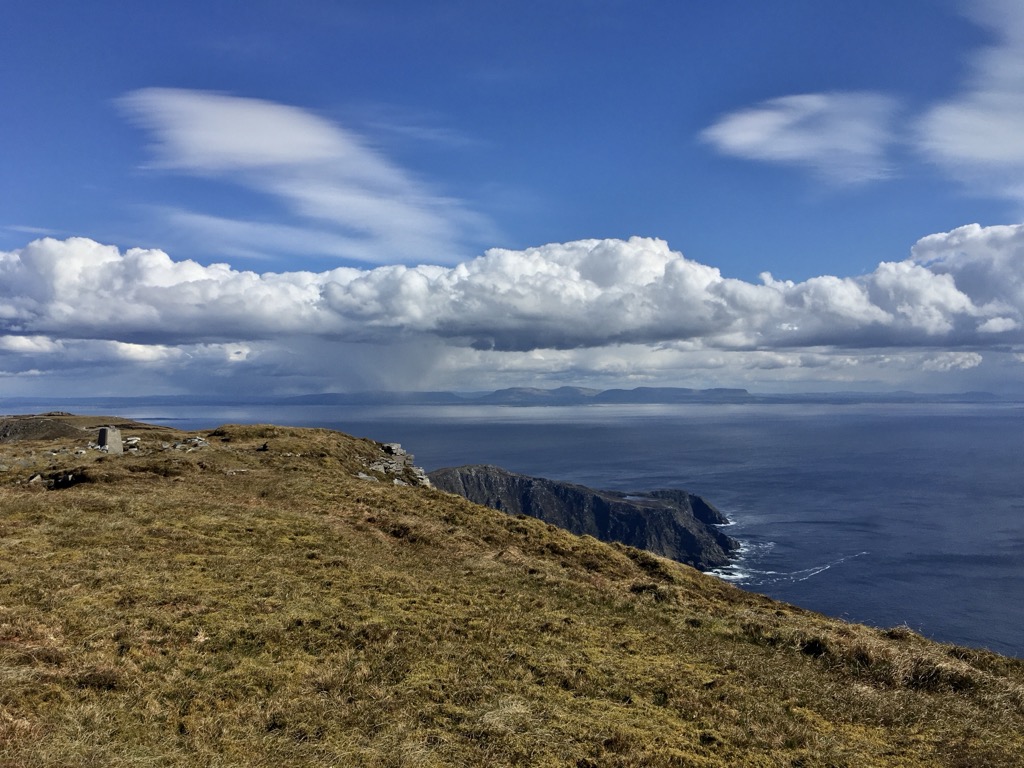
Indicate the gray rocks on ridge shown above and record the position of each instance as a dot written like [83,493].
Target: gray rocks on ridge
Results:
[397,462]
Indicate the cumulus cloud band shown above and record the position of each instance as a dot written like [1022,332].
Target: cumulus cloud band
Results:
[959,289]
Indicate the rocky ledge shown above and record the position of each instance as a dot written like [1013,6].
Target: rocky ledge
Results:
[672,523]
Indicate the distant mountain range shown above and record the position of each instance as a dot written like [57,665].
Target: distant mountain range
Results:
[529,396]
[534,396]
[521,396]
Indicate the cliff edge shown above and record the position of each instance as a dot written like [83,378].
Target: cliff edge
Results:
[672,523]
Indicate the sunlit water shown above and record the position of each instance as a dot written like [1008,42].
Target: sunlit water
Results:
[884,514]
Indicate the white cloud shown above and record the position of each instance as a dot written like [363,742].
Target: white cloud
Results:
[840,137]
[953,361]
[998,325]
[978,135]
[209,132]
[142,353]
[344,193]
[633,310]
[985,262]
[30,345]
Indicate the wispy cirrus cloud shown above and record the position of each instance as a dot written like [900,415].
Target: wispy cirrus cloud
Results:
[28,230]
[977,136]
[330,182]
[842,138]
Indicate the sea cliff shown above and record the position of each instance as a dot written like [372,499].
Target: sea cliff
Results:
[672,523]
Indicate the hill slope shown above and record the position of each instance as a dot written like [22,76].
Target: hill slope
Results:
[249,598]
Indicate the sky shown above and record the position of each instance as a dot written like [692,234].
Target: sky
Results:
[344,195]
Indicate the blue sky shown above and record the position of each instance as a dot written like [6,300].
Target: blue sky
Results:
[347,195]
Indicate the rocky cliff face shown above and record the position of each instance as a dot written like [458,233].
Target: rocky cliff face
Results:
[672,523]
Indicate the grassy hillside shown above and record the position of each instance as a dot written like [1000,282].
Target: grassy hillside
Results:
[225,605]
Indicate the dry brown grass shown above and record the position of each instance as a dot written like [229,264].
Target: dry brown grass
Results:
[229,606]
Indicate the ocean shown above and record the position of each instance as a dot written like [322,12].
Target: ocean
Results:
[909,514]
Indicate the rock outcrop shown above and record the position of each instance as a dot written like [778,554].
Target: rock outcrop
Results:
[673,523]
[398,463]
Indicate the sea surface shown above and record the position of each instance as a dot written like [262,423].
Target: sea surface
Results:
[909,514]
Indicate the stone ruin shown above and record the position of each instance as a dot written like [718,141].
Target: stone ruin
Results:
[110,440]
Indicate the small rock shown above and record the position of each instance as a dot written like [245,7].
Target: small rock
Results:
[190,444]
